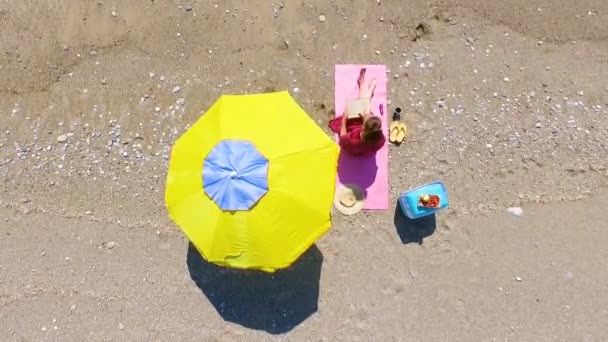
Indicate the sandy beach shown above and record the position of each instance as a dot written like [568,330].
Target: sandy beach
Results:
[506,103]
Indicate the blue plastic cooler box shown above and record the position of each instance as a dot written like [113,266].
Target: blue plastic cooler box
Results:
[408,201]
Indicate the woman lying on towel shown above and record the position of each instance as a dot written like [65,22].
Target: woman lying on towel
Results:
[362,134]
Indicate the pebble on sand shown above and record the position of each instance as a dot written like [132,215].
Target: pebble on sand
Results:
[62,138]
[176,89]
[121,326]
[518,279]
[322,18]
[111,245]
[516,211]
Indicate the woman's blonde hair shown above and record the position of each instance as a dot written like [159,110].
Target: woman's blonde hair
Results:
[372,130]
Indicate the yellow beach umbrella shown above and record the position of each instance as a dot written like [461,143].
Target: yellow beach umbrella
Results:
[251,183]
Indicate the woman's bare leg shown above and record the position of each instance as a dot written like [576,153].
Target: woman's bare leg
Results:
[361,83]
[371,88]
[365,91]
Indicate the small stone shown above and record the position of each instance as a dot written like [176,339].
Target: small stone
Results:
[296,90]
[176,89]
[322,18]
[489,146]
[162,78]
[581,93]
[547,68]
[73,307]
[506,79]
[188,8]
[518,279]
[113,13]
[24,200]
[121,326]
[43,329]
[152,75]
[110,245]
[62,138]
[157,109]
[569,275]
[88,212]
[377,52]
[470,40]
[516,211]
[538,125]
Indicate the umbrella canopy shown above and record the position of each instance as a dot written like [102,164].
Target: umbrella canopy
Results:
[251,183]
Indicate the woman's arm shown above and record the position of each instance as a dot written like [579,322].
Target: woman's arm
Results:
[343,125]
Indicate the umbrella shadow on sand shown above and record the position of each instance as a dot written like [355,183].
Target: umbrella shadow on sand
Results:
[414,231]
[275,303]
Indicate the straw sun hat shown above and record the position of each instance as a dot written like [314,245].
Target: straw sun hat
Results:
[349,199]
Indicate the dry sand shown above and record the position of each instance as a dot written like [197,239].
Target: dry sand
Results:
[505,101]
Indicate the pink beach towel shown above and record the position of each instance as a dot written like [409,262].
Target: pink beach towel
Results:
[370,173]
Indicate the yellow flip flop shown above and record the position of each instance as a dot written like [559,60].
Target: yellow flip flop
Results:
[394,131]
[401,132]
